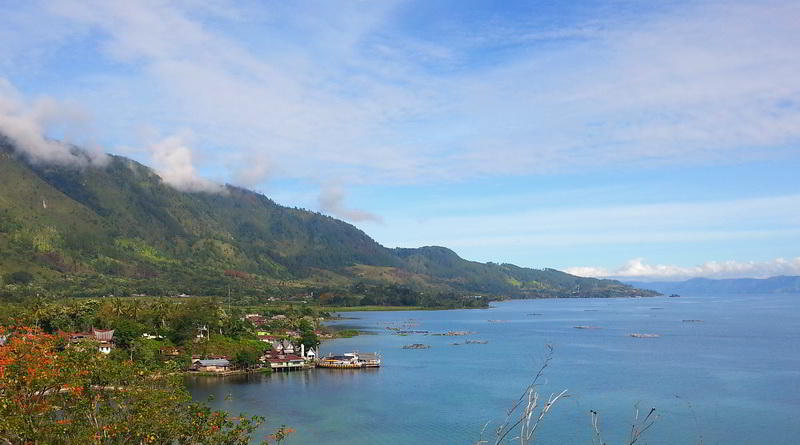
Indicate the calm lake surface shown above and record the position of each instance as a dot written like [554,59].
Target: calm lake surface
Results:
[733,378]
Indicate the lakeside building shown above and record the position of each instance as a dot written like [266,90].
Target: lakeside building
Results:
[281,346]
[309,355]
[283,362]
[211,365]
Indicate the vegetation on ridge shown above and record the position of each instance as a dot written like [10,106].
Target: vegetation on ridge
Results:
[119,230]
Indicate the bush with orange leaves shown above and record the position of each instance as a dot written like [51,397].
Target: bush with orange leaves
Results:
[51,393]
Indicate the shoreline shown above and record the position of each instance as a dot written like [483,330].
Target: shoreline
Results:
[337,309]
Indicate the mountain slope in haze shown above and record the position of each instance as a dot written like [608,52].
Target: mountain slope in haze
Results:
[119,229]
[772,285]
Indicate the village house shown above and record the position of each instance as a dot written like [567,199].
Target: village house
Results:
[310,355]
[266,338]
[104,338]
[256,319]
[211,365]
[283,346]
[282,362]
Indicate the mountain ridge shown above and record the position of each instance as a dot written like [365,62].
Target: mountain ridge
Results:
[771,285]
[118,228]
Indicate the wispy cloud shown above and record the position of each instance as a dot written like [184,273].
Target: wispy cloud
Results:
[565,225]
[173,161]
[335,91]
[331,200]
[25,125]
[638,269]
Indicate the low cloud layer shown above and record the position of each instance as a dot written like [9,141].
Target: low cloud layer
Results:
[32,129]
[331,200]
[637,269]
[25,124]
[172,159]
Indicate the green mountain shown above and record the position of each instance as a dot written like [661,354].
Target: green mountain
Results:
[772,285]
[120,230]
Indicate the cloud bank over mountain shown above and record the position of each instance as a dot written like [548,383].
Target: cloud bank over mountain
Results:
[172,159]
[27,125]
[638,269]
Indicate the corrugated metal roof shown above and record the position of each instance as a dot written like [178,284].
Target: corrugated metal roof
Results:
[215,362]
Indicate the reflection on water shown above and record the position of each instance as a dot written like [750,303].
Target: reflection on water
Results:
[733,379]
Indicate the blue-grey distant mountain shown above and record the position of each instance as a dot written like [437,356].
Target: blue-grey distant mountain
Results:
[773,285]
[120,230]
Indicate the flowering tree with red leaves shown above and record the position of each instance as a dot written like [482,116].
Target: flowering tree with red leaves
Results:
[52,392]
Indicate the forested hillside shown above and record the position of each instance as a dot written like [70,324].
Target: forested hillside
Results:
[118,229]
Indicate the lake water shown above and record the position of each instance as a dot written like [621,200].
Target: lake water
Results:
[733,378]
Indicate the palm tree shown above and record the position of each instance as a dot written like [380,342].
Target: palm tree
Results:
[118,307]
[133,307]
[160,308]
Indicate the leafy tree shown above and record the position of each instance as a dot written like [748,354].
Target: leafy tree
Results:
[126,331]
[246,359]
[51,394]
[308,337]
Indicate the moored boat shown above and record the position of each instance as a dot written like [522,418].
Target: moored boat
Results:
[350,360]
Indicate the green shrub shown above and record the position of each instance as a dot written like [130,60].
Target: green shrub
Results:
[19,277]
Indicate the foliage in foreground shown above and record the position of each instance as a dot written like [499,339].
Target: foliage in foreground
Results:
[55,393]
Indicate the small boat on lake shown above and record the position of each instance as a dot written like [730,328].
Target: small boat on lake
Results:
[350,360]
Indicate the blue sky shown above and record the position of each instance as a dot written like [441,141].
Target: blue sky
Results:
[636,139]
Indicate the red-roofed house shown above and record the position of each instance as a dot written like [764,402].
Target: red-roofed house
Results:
[279,362]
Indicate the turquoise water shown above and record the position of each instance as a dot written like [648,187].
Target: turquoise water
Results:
[732,379]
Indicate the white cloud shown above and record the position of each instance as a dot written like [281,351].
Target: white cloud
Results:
[331,200]
[333,92]
[26,124]
[638,269]
[712,83]
[172,160]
